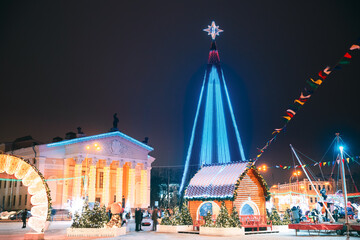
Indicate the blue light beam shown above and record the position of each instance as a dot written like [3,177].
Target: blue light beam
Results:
[192,138]
[222,138]
[207,135]
[241,149]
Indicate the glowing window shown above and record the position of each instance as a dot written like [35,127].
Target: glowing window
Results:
[247,210]
[101,179]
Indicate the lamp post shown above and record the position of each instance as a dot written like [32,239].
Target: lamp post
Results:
[295,174]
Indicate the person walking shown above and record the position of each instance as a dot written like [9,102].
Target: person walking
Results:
[154,218]
[24,217]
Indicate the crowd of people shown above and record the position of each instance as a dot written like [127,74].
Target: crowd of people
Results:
[141,216]
[321,214]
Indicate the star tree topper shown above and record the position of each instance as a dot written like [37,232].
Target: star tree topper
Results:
[213,30]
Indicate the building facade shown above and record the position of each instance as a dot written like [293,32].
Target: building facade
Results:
[105,168]
[299,193]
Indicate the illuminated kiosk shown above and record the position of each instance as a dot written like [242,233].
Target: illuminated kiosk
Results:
[37,187]
[215,138]
[237,184]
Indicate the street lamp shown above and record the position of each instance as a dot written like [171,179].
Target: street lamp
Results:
[263,168]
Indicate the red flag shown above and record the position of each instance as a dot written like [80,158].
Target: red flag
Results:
[320,164]
[347,55]
[321,75]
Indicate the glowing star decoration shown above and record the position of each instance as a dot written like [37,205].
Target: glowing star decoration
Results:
[213,30]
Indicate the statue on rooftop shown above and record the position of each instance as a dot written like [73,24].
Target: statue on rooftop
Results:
[115,122]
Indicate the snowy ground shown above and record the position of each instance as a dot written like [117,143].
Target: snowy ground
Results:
[57,230]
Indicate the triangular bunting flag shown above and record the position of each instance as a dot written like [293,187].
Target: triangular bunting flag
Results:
[327,70]
[353,47]
[347,55]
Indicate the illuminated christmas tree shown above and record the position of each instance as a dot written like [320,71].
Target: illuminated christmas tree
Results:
[215,137]
[234,218]
[223,219]
[286,219]
[185,217]
[275,217]
[166,220]
[208,220]
[90,218]
[176,218]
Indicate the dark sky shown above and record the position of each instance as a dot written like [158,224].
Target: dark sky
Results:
[65,64]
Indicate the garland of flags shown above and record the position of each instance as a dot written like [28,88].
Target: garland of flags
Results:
[321,164]
[312,85]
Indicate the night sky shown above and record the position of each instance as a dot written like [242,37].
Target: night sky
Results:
[65,64]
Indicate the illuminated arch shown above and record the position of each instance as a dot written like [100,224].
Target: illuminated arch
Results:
[215,209]
[37,187]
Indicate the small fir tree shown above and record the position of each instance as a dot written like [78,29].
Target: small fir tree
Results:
[90,218]
[223,220]
[208,220]
[176,218]
[185,217]
[275,217]
[286,218]
[166,220]
[234,218]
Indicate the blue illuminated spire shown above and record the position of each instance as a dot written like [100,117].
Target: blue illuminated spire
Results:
[215,137]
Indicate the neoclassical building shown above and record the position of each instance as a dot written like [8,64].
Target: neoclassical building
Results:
[107,168]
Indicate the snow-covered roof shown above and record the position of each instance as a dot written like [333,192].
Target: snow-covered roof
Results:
[215,182]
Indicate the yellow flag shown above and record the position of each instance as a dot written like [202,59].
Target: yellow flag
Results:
[299,102]
[318,82]
[348,160]
[287,117]
[324,163]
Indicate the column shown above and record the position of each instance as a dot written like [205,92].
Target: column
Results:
[77,180]
[143,188]
[65,191]
[106,185]
[148,186]
[131,187]
[92,180]
[119,182]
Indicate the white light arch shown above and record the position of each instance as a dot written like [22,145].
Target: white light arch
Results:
[252,205]
[37,187]
[215,208]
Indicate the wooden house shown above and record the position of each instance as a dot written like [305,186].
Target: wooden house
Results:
[237,184]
